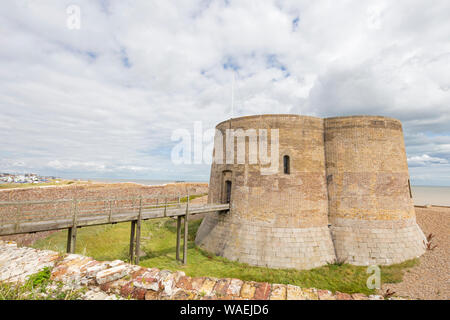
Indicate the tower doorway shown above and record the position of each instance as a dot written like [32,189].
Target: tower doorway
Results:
[227,191]
[226,186]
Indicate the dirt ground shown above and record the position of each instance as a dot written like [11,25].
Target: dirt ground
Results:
[429,279]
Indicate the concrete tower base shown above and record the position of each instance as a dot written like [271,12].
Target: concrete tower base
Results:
[265,246]
[362,242]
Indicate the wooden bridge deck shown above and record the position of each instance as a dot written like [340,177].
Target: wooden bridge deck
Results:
[17,227]
[35,216]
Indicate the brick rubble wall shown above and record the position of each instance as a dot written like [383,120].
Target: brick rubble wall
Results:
[131,281]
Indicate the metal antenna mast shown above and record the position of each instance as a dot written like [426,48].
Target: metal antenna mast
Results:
[232,95]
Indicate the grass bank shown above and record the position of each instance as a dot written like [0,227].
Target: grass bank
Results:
[111,242]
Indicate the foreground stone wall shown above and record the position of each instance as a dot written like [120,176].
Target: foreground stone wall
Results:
[116,279]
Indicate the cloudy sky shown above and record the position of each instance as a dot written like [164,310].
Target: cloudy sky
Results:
[104,99]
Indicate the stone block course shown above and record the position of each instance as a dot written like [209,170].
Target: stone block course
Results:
[325,295]
[279,292]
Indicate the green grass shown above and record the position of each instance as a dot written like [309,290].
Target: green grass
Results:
[195,196]
[111,242]
[38,286]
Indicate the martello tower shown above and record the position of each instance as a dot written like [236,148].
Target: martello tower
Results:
[341,189]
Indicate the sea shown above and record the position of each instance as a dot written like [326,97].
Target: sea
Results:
[140,181]
[422,195]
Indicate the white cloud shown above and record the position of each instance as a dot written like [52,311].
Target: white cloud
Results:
[104,100]
[374,17]
[425,160]
[78,165]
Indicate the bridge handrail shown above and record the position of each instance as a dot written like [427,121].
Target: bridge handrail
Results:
[134,198]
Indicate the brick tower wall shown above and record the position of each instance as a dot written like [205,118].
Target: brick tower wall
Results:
[277,220]
[370,206]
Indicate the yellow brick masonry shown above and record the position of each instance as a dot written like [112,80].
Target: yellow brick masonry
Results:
[346,197]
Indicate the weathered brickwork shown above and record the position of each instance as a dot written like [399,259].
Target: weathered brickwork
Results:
[113,280]
[370,207]
[346,175]
[277,220]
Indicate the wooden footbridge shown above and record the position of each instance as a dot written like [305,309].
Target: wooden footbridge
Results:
[35,216]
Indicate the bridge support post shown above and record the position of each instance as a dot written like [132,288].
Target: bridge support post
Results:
[19,218]
[138,234]
[110,211]
[72,231]
[133,230]
[178,237]
[165,206]
[69,240]
[185,240]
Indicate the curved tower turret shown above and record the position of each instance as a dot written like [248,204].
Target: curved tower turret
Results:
[280,219]
[340,189]
[370,202]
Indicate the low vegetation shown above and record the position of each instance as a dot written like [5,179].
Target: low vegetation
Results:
[195,196]
[111,242]
[38,287]
[429,244]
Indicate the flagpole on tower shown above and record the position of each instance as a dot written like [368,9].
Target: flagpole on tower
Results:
[232,94]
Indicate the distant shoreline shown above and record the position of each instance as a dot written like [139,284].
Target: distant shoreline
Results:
[431,195]
[422,195]
[147,182]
